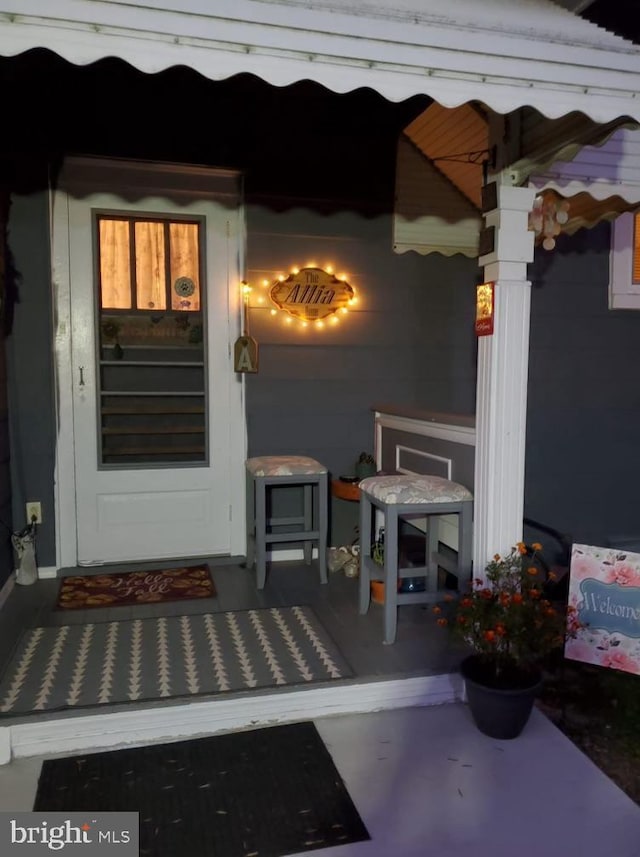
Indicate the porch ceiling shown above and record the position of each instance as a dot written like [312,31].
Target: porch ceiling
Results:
[456,142]
[502,53]
[602,179]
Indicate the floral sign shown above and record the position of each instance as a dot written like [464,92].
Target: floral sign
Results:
[604,589]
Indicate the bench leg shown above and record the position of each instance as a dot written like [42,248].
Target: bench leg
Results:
[307,513]
[251,520]
[433,535]
[323,526]
[465,542]
[365,553]
[390,576]
[261,530]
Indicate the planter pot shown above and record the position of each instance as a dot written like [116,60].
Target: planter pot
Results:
[499,712]
[364,469]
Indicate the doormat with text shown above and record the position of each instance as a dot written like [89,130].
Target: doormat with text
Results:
[135,660]
[135,587]
[265,792]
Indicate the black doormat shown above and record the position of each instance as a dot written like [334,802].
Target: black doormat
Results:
[261,793]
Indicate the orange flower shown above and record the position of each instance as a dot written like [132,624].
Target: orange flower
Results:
[448,597]
[507,616]
[437,609]
[552,576]
[536,546]
[442,622]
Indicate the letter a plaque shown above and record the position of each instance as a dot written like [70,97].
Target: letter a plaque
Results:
[245,354]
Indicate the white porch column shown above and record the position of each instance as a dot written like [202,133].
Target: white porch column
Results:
[501,393]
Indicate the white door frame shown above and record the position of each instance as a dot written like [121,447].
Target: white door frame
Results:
[185,181]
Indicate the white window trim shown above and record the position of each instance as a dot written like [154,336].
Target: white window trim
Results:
[623,292]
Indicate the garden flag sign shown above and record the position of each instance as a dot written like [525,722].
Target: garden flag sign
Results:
[604,590]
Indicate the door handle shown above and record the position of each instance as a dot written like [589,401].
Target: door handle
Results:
[81,370]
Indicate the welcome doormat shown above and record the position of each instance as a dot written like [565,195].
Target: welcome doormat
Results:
[135,587]
[143,659]
[262,793]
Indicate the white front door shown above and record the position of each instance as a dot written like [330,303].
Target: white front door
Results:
[155,419]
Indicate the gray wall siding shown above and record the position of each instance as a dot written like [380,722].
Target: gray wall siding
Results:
[6,551]
[30,367]
[408,341]
[583,457]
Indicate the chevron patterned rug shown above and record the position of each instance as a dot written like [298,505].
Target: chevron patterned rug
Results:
[75,666]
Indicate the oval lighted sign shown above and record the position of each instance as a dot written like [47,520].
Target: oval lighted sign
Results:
[311,294]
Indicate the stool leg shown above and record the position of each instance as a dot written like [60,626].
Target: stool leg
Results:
[433,535]
[307,546]
[465,541]
[323,525]
[251,520]
[390,575]
[261,530]
[365,553]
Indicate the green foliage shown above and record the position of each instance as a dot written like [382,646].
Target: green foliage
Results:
[505,617]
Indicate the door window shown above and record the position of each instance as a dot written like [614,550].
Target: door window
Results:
[151,361]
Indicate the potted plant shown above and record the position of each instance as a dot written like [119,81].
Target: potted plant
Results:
[365,466]
[511,627]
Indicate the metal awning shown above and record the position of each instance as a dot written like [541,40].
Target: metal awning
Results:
[503,53]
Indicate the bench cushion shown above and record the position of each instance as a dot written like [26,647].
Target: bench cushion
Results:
[412,488]
[284,465]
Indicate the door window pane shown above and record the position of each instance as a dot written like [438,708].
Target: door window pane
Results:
[115,264]
[185,266]
[150,266]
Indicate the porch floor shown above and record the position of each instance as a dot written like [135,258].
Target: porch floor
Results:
[425,781]
[421,648]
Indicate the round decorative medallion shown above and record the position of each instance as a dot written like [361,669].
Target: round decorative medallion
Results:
[184,286]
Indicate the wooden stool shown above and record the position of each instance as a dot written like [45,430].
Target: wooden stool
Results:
[269,471]
[405,497]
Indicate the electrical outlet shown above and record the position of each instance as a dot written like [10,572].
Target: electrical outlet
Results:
[34,512]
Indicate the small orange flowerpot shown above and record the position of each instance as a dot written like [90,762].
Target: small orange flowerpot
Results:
[377,591]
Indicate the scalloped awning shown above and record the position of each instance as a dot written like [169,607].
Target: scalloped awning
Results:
[497,52]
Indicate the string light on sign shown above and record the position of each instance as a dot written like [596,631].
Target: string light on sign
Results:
[311,296]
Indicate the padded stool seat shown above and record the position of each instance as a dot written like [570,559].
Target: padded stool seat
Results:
[406,497]
[263,474]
